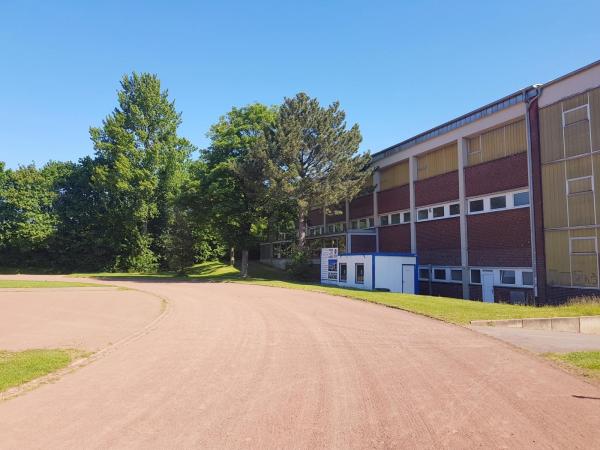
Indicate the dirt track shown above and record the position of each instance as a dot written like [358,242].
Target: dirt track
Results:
[238,366]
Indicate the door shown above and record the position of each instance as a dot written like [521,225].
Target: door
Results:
[408,279]
[487,285]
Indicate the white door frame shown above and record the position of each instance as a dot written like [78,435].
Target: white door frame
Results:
[412,278]
[487,286]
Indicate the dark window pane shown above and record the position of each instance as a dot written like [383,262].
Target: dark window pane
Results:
[498,202]
[475,276]
[343,272]
[423,214]
[360,273]
[395,218]
[424,274]
[456,275]
[528,278]
[455,209]
[438,211]
[384,220]
[439,274]
[507,276]
[406,217]
[476,205]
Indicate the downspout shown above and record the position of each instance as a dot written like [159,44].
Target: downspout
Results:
[530,183]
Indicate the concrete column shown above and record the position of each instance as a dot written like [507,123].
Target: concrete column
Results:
[464,248]
[412,177]
[376,182]
[348,240]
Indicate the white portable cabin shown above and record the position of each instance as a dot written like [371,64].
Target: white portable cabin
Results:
[396,272]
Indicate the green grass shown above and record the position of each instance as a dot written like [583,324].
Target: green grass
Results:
[588,363]
[446,309]
[17,368]
[42,284]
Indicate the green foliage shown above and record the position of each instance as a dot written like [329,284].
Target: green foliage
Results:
[300,266]
[310,157]
[140,166]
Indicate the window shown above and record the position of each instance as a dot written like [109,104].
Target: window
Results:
[528,278]
[579,185]
[476,205]
[456,275]
[371,222]
[424,274]
[395,218]
[354,224]
[439,274]
[360,273]
[507,277]
[406,217]
[498,202]
[423,214]
[438,211]
[454,209]
[521,199]
[330,228]
[362,223]
[475,276]
[343,272]
[383,220]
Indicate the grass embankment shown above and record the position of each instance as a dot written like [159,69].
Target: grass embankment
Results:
[42,284]
[585,363]
[447,309]
[17,368]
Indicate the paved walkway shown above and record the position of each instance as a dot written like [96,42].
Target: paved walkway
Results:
[543,341]
[241,366]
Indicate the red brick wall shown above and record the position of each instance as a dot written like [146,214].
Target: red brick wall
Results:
[315,217]
[362,243]
[557,295]
[361,207]
[394,199]
[453,290]
[499,239]
[438,242]
[498,175]
[394,238]
[438,189]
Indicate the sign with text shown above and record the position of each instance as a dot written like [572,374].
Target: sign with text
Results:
[329,266]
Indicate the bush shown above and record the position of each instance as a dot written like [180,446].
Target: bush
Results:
[300,265]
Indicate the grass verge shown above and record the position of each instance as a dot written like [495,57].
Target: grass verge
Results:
[586,363]
[42,284]
[446,309]
[17,368]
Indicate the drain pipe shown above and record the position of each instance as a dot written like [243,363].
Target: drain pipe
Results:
[528,103]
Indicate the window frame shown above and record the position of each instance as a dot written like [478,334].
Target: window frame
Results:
[509,197]
[345,279]
[356,265]
[401,216]
[430,209]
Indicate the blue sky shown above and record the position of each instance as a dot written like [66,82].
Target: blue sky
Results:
[398,68]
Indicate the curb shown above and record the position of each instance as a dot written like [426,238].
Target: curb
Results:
[582,324]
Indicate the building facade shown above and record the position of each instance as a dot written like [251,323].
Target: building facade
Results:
[499,204]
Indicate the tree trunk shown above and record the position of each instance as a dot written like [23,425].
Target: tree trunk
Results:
[232,256]
[301,230]
[244,268]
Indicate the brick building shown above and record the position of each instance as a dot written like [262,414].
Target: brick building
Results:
[498,204]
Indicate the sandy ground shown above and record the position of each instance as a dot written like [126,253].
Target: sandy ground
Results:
[239,366]
[543,341]
[81,318]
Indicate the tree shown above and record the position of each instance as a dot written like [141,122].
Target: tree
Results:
[140,165]
[312,158]
[233,179]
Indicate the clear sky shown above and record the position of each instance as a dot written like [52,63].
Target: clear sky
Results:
[397,67]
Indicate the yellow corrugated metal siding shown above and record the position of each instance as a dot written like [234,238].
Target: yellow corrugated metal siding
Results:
[437,162]
[393,176]
[497,143]
[569,132]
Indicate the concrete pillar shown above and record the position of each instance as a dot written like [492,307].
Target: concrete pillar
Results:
[412,177]
[464,247]
[348,239]
[376,182]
